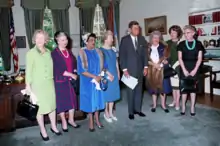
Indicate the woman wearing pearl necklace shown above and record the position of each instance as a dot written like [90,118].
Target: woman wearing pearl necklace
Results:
[190,59]
[64,68]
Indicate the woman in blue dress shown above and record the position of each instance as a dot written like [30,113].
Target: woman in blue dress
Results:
[113,91]
[90,65]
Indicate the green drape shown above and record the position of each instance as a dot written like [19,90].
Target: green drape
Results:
[33,21]
[87,17]
[61,20]
[117,16]
[105,15]
[5,50]
[60,13]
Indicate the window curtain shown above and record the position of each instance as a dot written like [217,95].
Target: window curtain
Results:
[117,16]
[87,18]
[61,20]
[60,13]
[33,16]
[108,15]
[33,21]
[5,50]
[105,12]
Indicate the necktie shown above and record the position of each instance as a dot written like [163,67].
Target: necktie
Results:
[135,43]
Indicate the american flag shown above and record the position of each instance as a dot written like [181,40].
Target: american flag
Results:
[13,46]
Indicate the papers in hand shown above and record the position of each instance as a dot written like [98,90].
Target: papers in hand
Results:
[131,82]
[33,97]
[97,85]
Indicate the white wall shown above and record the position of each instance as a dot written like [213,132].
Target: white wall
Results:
[177,12]
[20,26]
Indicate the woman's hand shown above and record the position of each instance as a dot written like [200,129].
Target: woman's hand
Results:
[74,76]
[110,77]
[165,62]
[119,76]
[193,72]
[97,78]
[157,66]
[186,73]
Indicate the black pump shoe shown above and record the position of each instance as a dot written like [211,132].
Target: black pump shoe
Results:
[65,130]
[57,133]
[44,138]
[192,114]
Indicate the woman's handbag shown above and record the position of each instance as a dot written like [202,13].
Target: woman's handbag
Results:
[27,109]
[104,83]
[75,84]
[169,72]
[188,85]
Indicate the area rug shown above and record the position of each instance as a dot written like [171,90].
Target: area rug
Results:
[156,129]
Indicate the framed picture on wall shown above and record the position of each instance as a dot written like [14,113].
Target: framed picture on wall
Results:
[155,23]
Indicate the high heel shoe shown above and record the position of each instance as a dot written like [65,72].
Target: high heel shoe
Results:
[44,138]
[74,126]
[192,114]
[182,113]
[65,130]
[57,133]
[165,110]
[153,110]
[100,126]
[91,129]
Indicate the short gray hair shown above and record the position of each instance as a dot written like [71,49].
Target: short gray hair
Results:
[155,33]
[190,27]
[40,31]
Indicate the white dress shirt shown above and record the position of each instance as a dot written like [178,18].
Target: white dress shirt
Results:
[134,38]
[154,55]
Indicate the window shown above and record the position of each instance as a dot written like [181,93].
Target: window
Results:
[99,25]
[48,26]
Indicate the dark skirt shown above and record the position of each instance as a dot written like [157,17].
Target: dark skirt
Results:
[65,96]
[182,76]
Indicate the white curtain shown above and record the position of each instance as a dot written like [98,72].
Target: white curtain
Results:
[204,5]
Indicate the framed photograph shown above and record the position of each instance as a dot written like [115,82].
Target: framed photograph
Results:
[155,23]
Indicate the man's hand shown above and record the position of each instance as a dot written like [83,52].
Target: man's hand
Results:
[126,74]
[145,71]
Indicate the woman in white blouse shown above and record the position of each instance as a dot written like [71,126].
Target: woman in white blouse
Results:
[158,54]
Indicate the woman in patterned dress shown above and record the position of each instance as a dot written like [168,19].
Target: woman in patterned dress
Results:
[39,80]
[64,68]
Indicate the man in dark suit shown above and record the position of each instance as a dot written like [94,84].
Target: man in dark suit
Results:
[134,62]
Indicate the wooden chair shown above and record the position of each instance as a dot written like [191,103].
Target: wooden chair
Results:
[214,83]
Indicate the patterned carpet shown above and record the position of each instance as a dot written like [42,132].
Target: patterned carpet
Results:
[157,129]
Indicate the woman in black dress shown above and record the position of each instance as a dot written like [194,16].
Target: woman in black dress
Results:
[190,58]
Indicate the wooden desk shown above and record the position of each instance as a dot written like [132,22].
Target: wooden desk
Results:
[9,120]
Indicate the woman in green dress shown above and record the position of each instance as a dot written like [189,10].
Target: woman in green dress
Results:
[176,33]
[39,81]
